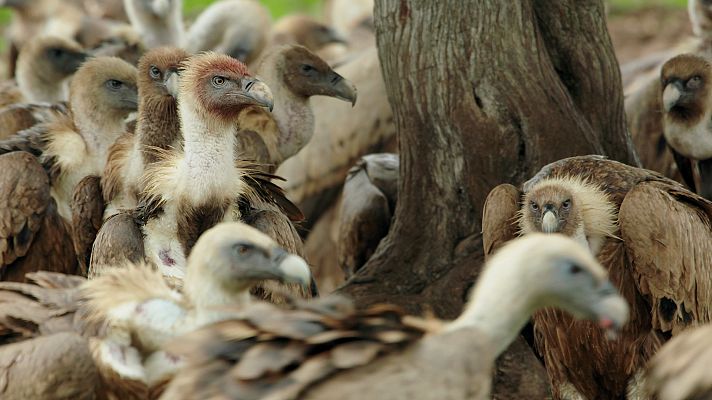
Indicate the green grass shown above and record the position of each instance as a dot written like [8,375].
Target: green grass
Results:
[632,5]
[278,8]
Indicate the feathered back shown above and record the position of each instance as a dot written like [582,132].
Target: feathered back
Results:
[598,211]
[279,352]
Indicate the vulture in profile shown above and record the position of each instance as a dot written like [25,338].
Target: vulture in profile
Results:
[158,22]
[157,127]
[680,370]
[238,28]
[652,235]
[328,350]
[686,100]
[294,74]
[129,313]
[72,149]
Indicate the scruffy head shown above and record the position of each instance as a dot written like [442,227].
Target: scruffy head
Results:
[154,70]
[220,86]
[560,273]
[104,87]
[52,58]
[306,31]
[306,74]
[234,256]
[685,82]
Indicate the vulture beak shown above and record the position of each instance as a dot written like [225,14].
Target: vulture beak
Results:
[611,310]
[549,222]
[171,82]
[257,93]
[342,88]
[672,94]
[290,268]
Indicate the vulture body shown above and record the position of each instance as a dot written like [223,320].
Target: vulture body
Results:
[238,28]
[658,255]
[329,350]
[158,22]
[305,31]
[680,370]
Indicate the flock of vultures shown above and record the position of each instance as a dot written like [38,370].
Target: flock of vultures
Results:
[179,196]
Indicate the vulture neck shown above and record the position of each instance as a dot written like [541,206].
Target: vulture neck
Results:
[36,87]
[99,126]
[157,125]
[209,297]
[501,304]
[292,112]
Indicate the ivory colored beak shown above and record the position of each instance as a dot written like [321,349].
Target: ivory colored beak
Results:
[258,93]
[549,224]
[612,312]
[671,95]
[294,269]
[171,83]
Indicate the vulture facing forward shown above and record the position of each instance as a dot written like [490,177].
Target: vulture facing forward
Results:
[328,350]
[658,254]
[128,313]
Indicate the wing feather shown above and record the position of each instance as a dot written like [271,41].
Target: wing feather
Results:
[499,217]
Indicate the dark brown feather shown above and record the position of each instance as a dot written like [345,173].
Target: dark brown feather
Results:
[119,240]
[87,216]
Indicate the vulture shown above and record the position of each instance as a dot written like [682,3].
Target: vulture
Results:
[158,22]
[129,313]
[680,370]
[294,74]
[327,349]
[686,100]
[652,235]
[47,197]
[157,126]
[305,31]
[238,28]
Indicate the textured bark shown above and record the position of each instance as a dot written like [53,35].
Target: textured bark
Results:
[483,92]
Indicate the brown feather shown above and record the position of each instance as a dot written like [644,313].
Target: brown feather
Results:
[87,216]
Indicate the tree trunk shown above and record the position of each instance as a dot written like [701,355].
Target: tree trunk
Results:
[483,92]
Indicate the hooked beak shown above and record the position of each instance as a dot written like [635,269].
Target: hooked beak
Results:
[611,310]
[171,82]
[257,93]
[342,88]
[672,94]
[549,223]
[290,268]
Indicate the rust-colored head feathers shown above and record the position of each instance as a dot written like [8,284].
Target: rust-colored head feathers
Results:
[685,81]
[221,86]
[153,68]
[571,206]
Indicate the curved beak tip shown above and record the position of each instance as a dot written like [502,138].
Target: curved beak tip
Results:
[549,222]
[295,270]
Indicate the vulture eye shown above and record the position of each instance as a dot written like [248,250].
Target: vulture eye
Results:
[56,53]
[154,72]
[694,82]
[575,269]
[113,84]
[306,68]
[242,248]
[534,206]
[566,204]
[219,81]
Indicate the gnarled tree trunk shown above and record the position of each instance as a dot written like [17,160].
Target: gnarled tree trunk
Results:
[483,92]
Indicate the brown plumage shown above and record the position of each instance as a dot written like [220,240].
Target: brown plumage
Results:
[661,265]
[680,370]
[368,201]
[112,39]
[87,215]
[328,349]
[157,127]
[294,74]
[304,30]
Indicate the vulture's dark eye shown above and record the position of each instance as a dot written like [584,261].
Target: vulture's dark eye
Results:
[219,81]
[566,204]
[242,248]
[56,53]
[154,72]
[307,68]
[694,82]
[113,84]
[534,206]
[575,269]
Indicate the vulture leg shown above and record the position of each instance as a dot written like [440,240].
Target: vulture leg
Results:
[367,204]
[685,166]
[32,234]
[705,168]
[499,216]
[119,240]
[87,214]
[58,366]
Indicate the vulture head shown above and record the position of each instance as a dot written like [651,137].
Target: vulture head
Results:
[104,87]
[570,206]
[47,61]
[306,31]
[231,257]
[541,271]
[700,12]
[306,74]
[157,73]
[219,87]
[686,100]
